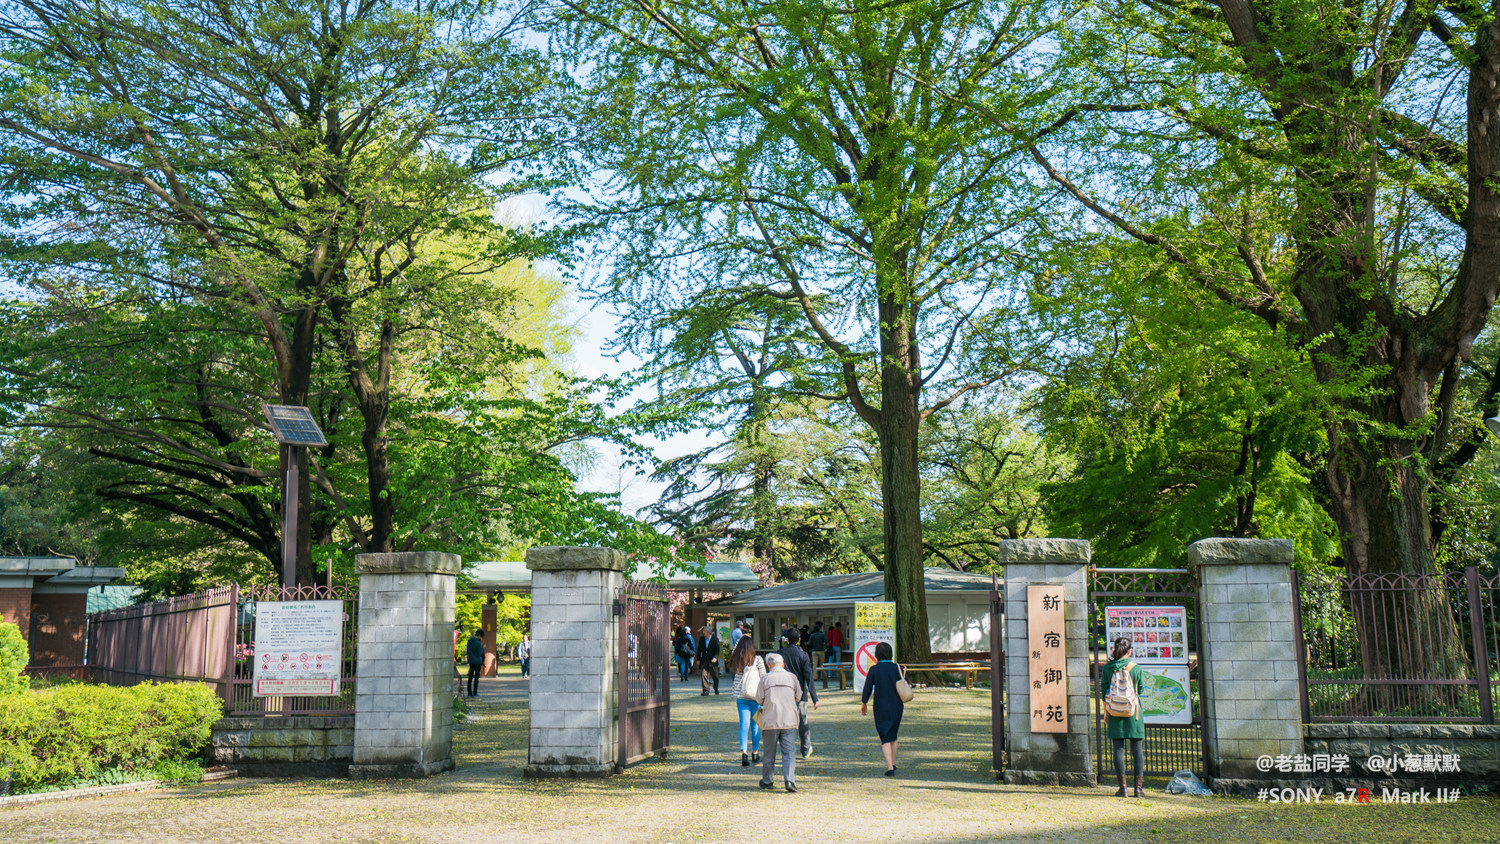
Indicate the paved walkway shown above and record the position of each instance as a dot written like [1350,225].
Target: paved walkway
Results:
[944,793]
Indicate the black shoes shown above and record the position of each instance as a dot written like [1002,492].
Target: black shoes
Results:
[767,785]
[791,788]
[744,760]
[891,772]
[755,757]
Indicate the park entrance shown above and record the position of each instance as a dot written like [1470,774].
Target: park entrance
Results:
[1146,603]
[645,672]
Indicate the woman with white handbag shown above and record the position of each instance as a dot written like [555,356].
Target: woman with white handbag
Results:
[748,669]
[886,682]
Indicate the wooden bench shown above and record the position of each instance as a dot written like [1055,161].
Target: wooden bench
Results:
[845,670]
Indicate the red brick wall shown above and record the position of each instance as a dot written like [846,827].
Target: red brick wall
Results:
[15,607]
[60,623]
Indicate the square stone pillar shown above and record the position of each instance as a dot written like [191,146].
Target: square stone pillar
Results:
[1252,698]
[1048,758]
[575,651]
[403,698]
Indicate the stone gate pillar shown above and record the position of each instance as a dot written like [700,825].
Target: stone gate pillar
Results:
[1248,658]
[574,661]
[1048,758]
[403,697]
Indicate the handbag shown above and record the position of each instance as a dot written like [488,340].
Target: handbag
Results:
[903,688]
[750,686]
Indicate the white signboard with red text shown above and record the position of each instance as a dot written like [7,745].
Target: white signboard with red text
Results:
[874,622]
[297,647]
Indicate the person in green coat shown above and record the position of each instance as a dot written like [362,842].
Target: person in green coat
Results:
[1133,727]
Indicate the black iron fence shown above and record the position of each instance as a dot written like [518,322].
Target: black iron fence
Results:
[1168,748]
[241,700]
[1399,647]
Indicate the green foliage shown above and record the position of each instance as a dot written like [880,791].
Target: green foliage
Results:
[77,731]
[14,657]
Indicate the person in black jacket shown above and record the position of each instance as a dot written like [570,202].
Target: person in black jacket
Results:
[880,682]
[708,657]
[801,667]
[475,650]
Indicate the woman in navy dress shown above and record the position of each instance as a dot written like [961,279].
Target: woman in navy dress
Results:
[880,682]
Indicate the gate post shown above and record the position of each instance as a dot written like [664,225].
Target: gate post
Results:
[575,652]
[403,698]
[1248,658]
[1047,758]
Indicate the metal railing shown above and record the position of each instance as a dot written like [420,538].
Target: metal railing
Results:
[176,639]
[1399,647]
[241,700]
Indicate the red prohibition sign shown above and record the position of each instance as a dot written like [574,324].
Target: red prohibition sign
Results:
[865,658]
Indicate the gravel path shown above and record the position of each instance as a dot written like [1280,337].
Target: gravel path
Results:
[945,793]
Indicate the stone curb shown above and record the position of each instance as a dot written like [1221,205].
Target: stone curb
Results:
[15,800]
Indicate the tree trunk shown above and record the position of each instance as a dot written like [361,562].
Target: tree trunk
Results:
[900,480]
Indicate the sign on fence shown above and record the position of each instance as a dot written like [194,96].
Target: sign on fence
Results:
[874,622]
[1047,658]
[297,647]
[1158,643]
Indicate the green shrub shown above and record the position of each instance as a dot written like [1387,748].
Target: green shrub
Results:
[75,732]
[14,655]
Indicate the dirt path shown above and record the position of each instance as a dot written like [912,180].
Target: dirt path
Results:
[945,793]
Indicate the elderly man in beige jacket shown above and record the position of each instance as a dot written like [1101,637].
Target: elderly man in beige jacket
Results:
[778,695]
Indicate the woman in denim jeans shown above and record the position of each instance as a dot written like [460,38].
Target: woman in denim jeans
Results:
[744,663]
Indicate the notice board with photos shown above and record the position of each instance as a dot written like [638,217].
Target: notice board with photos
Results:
[1159,644]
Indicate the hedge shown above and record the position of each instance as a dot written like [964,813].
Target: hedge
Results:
[76,731]
[14,655]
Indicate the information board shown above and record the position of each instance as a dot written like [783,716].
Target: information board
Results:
[874,622]
[297,647]
[1046,658]
[1159,643]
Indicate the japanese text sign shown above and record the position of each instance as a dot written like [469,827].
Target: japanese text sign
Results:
[1046,659]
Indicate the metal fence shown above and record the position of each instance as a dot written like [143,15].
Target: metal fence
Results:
[241,700]
[1398,647]
[210,637]
[645,672]
[184,638]
[1168,748]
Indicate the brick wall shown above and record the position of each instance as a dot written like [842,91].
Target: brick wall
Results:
[15,608]
[60,619]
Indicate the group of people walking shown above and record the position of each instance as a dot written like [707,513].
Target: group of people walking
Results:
[772,693]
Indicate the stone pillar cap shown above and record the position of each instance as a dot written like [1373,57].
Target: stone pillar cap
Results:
[1239,552]
[574,558]
[1044,551]
[409,562]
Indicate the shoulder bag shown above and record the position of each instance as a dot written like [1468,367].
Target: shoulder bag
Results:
[903,688]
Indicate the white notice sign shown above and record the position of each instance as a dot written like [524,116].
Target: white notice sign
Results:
[874,622]
[297,647]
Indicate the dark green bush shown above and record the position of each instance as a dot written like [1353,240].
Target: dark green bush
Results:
[76,731]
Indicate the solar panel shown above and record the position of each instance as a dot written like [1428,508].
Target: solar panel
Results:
[293,425]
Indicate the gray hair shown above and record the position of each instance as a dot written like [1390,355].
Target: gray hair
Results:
[774,659]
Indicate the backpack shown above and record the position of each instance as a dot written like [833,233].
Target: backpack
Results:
[1121,701]
[685,648]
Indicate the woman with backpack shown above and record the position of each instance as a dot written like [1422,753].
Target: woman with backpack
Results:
[1120,683]
[748,669]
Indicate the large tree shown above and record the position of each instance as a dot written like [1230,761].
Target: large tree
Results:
[1326,168]
[291,164]
[787,151]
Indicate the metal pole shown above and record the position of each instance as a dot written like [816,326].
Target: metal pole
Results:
[289,494]
[1481,656]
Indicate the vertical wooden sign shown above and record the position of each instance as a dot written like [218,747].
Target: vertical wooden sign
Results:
[1047,659]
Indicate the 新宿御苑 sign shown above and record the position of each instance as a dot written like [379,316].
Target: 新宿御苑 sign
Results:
[1047,674]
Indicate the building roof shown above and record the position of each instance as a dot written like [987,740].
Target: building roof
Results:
[58,571]
[839,589]
[513,576]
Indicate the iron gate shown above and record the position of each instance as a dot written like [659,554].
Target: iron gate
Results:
[999,725]
[645,675]
[1168,748]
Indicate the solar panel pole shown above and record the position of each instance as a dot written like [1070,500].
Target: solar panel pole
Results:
[290,496]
